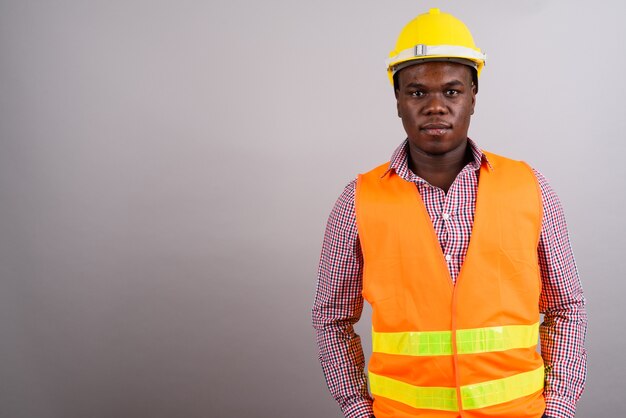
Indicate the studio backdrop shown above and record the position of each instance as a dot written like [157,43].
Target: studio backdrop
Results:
[167,169]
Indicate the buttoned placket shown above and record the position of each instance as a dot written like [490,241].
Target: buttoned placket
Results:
[443,208]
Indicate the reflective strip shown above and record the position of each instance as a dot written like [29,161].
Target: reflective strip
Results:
[483,340]
[423,51]
[480,395]
[429,343]
[469,341]
[494,392]
[420,397]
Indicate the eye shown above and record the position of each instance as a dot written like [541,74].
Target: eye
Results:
[417,93]
[452,92]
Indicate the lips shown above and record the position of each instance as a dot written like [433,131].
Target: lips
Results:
[436,128]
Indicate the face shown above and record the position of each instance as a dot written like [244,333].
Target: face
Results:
[435,101]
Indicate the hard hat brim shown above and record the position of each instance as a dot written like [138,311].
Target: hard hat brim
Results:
[410,63]
[429,51]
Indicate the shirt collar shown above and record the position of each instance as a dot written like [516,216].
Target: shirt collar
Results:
[399,161]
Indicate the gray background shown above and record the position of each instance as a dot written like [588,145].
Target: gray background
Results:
[166,170]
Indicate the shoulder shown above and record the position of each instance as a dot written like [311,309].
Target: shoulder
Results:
[496,160]
[377,171]
[346,198]
[342,218]
[343,212]
[549,198]
[515,173]
[345,202]
[551,201]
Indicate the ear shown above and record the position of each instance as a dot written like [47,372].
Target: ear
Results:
[397,94]
[473,91]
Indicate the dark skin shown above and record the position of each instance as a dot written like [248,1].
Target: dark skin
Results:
[435,101]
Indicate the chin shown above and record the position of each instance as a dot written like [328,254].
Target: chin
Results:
[434,145]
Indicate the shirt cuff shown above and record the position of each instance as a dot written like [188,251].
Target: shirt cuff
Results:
[559,408]
[361,408]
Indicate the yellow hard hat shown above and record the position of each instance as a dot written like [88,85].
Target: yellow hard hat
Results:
[434,36]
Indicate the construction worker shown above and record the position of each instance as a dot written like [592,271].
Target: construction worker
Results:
[455,322]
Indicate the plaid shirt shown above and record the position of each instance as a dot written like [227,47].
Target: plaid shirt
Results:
[338,300]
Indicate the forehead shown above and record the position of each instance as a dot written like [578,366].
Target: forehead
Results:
[435,73]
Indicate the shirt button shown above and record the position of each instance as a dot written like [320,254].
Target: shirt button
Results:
[446,216]
[448,257]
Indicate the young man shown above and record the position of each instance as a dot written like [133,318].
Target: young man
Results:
[455,322]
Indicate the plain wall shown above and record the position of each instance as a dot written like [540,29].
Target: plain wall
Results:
[166,170]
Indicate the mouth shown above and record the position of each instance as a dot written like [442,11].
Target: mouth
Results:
[436,128]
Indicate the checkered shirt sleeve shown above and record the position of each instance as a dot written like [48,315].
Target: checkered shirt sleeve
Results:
[338,305]
[562,302]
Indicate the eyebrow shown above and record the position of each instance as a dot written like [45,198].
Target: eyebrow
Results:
[454,83]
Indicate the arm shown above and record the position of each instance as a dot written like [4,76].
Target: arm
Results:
[562,302]
[338,305]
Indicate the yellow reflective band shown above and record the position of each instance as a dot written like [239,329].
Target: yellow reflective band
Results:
[483,340]
[469,341]
[480,395]
[499,391]
[442,399]
[432,343]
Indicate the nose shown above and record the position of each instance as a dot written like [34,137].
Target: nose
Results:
[435,105]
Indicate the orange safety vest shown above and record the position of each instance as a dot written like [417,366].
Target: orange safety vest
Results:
[442,350]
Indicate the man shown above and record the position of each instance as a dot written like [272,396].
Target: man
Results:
[455,322]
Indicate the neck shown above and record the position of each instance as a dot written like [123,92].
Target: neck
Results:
[439,170]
